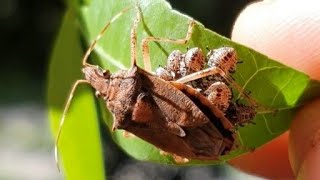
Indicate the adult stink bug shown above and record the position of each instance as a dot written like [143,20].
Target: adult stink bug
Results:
[170,115]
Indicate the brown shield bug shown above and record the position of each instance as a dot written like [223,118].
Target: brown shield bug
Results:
[170,115]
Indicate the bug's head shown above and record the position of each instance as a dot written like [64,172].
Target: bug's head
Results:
[98,78]
[95,73]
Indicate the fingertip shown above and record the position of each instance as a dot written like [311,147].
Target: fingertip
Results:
[289,32]
[284,30]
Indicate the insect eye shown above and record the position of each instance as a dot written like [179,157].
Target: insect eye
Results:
[106,73]
[102,72]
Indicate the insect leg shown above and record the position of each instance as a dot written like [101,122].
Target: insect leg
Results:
[215,70]
[65,110]
[93,44]
[145,46]
[133,43]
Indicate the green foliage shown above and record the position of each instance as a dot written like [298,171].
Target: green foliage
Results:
[272,84]
[81,151]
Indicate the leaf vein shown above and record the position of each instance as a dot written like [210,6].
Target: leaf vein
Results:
[254,74]
[254,60]
[280,89]
[267,125]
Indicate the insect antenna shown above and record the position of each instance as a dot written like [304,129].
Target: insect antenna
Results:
[103,30]
[65,110]
[239,62]
[75,85]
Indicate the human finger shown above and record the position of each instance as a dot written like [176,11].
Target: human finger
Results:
[287,31]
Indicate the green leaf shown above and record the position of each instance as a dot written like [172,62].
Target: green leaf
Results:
[80,144]
[272,84]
